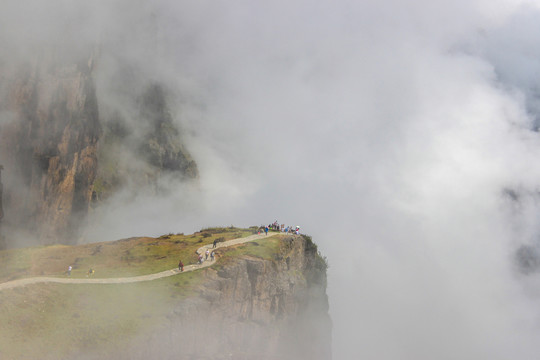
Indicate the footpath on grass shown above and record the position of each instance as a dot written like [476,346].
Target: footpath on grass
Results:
[124,280]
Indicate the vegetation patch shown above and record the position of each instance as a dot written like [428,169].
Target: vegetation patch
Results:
[126,257]
[321,262]
[73,319]
[266,248]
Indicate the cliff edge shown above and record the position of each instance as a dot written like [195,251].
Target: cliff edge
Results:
[264,298]
[251,308]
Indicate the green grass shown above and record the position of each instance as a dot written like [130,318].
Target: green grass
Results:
[128,257]
[265,249]
[55,321]
[77,318]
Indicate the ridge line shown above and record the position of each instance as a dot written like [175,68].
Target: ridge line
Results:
[132,279]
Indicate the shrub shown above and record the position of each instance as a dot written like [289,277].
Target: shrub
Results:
[310,245]
[214,229]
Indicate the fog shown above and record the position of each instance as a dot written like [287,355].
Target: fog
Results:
[401,135]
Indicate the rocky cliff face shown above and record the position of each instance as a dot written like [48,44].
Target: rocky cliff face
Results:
[61,156]
[160,146]
[50,147]
[250,308]
[140,150]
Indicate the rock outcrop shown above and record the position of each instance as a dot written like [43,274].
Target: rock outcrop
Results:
[250,308]
[62,157]
[50,147]
[138,151]
[160,146]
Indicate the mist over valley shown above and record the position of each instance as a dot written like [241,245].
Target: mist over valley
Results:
[402,136]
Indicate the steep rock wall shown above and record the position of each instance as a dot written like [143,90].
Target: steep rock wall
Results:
[137,151]
[160,146]
[250,309]
[49,147]
[62,157]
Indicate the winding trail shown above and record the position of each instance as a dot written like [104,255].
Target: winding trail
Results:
[124,280]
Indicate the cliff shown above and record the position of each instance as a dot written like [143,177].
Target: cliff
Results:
[62,157]
[137,151]
[49,146]
[264,299]
[250,308]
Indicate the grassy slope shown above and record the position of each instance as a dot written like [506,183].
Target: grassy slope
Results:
[79,318]
[128,257]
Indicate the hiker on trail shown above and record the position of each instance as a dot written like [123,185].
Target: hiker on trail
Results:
[212,255]
[207,253]
[90,272]
[181,266]
[69,270]
[200,259]
[266,230]
[215,244]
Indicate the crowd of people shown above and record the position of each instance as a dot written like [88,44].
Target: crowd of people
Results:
[275,226]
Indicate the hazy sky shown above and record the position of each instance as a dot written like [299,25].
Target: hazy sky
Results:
[390,131]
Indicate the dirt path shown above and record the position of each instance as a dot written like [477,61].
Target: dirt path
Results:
[125,280]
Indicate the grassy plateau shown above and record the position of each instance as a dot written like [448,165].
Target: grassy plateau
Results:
[75,318]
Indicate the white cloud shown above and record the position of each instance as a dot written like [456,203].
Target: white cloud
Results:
[388,130]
